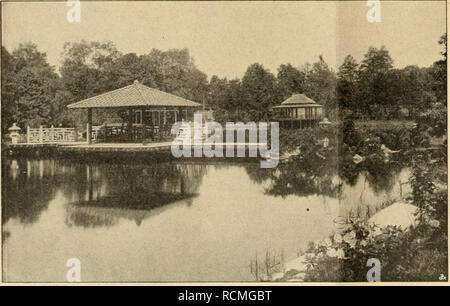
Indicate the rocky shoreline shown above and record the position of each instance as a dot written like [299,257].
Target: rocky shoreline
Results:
[399,214]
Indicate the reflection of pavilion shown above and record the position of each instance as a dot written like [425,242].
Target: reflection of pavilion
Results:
[107,193]
[96,194]
[108,211]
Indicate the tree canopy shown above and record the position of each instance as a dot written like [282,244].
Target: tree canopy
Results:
[34,93]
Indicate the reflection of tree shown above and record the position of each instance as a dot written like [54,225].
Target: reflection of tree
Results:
[348,170]
[383,178]
[311,170]
[27,188]
[301,178]
[322,174]
[303,175]
[258,174]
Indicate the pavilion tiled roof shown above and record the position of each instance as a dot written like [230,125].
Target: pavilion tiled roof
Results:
[134,95]
[298,100]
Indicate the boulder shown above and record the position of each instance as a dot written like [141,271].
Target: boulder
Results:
[357,158]
[298,264]
[277,276]
[397,214]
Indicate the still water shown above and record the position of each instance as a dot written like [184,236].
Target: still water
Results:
[165,221]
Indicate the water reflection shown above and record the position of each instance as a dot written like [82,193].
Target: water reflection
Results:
[95,194]
[27,188]
[361,191]
[171,221]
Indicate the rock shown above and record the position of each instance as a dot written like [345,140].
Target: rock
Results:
[298,264]
[397,214]
[277,276]
[357,158]
[386,150]
[264,278]
[299,276]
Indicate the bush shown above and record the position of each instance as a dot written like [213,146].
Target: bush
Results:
[416,254]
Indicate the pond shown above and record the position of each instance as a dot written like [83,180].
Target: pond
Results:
[181,221]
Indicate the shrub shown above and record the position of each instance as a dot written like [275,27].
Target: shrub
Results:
[416,254]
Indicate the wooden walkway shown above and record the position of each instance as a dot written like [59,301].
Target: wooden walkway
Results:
[46,144]
[110,149]
[114,147]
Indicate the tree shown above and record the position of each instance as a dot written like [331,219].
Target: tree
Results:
[29,85]
[174,71]
[320,85]
[92,68]
[218,96]
[440,72]
[290,81]
[373,76]
[259,93]
[9,94]
[410,88]
[347,84]
[126,69]
[84,67]
[225,98]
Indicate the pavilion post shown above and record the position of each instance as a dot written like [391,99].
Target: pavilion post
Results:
[41,134]
[180,117]
[160,126]
[89,127]
[130,123]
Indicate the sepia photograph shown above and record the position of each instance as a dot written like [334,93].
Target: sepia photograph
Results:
[249,142]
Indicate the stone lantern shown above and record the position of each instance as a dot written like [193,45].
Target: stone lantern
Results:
[325,122]
[14,133]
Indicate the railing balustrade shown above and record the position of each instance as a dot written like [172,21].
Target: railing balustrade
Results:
[50,135]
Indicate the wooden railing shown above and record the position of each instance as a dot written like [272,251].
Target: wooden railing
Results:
[50,135]
[122,133]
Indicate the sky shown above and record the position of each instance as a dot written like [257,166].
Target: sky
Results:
[224,38]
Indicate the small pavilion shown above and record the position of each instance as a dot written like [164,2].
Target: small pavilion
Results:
[297,112]
[150,112]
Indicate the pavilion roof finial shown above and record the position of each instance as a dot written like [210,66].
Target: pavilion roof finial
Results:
[136,82]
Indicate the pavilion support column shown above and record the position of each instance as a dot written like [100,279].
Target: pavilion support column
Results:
[89,126]
[160,125]
[144,124]
[130,123]
[91,183]
[180,112]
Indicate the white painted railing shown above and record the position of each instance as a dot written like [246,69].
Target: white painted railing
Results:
[50,135]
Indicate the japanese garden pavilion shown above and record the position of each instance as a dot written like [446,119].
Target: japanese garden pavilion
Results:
[150,112]
[298,111]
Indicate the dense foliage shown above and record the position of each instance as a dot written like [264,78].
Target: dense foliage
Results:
[418,253]
[34,93]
